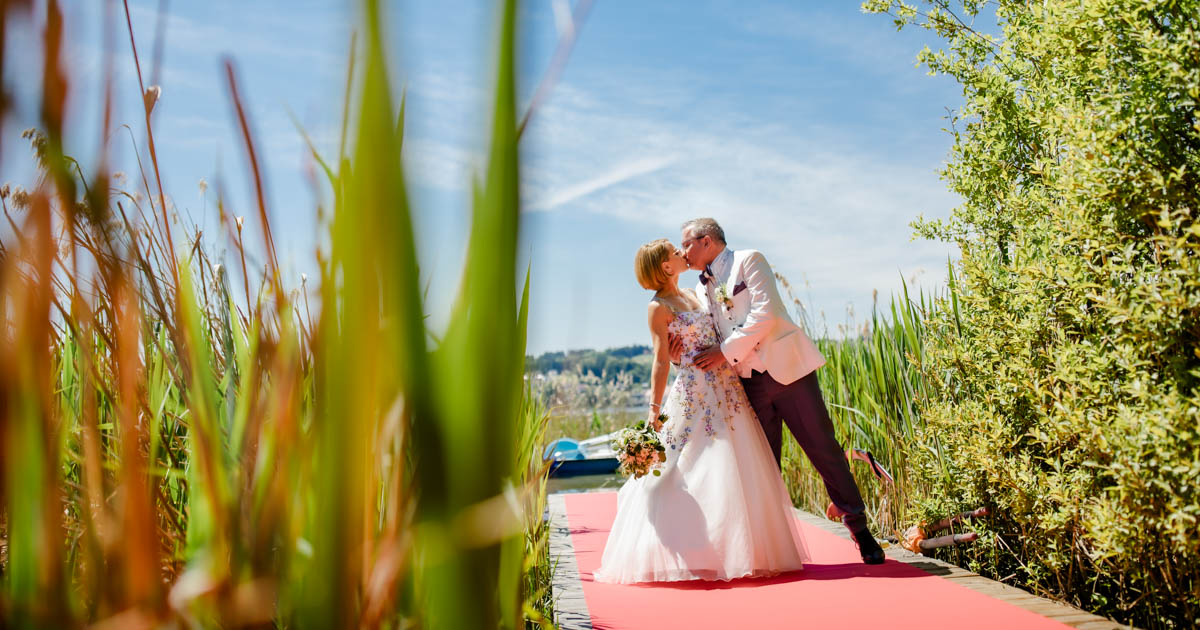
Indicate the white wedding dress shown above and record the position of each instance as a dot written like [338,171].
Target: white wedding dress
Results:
[720,510]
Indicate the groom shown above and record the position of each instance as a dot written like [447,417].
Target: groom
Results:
[776,361]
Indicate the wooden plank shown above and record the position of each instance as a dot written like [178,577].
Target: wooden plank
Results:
[1107,624]
[570,606]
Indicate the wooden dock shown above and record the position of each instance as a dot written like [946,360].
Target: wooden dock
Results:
[571,603]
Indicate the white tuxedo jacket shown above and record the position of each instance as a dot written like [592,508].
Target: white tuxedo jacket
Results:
[756,331]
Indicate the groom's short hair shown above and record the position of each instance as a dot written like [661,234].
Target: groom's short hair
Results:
[705,227]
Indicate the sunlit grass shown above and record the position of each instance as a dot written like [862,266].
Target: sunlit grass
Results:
[873,388]
[582,424]
[174,454]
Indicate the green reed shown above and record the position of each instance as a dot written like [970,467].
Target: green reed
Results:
[171,456]
[873,387]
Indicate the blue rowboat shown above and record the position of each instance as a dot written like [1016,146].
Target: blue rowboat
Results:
[593,456]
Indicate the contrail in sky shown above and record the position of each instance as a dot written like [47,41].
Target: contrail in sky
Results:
[630,170]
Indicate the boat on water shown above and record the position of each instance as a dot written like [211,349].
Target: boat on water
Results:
[593,456]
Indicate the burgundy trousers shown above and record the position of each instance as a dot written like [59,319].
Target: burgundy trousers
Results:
[801,407]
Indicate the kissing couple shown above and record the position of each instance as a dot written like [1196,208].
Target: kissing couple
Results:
[719,510]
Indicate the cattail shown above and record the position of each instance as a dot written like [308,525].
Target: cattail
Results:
[37,140]
[20,198]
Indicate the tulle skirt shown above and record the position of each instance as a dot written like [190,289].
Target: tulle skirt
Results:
[720,510]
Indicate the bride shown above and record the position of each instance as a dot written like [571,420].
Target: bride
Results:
[719,511]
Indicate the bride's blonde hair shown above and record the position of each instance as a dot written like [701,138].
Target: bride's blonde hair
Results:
[648,262]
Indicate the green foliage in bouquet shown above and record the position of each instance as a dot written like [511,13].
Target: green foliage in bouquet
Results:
[1064,375]
[639,450]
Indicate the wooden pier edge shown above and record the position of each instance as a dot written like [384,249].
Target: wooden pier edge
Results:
[570,607]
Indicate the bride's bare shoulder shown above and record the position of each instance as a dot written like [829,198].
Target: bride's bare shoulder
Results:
[658,314]
[656,306]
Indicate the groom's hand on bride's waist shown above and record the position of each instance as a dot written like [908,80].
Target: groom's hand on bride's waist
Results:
[709,358]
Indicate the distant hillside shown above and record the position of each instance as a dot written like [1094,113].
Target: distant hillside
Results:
[634,360]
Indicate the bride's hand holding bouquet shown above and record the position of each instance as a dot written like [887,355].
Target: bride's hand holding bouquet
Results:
[655,417]
[638,448]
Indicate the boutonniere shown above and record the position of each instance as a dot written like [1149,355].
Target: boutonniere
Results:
[723,297]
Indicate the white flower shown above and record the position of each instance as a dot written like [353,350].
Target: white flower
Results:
[723,298]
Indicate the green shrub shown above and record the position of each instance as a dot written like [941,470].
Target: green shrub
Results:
[1063,382]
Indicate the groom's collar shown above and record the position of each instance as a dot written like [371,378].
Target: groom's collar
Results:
[721,264]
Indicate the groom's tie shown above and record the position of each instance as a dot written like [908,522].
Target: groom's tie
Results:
[706,275]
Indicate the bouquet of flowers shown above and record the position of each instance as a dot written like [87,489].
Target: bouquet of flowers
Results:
[639,450]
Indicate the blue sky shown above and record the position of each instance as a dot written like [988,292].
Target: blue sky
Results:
[803,127]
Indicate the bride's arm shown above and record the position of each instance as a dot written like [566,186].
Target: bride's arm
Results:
[659,317]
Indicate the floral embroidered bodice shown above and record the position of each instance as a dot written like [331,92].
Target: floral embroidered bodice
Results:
[696,330]
[699,400]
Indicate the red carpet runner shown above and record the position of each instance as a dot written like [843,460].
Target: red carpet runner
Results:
[834,591]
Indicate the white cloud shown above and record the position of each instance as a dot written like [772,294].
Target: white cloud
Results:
[837,216]
[441,165]
[292,37]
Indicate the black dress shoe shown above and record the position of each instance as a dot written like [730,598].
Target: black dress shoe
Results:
[867,547]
